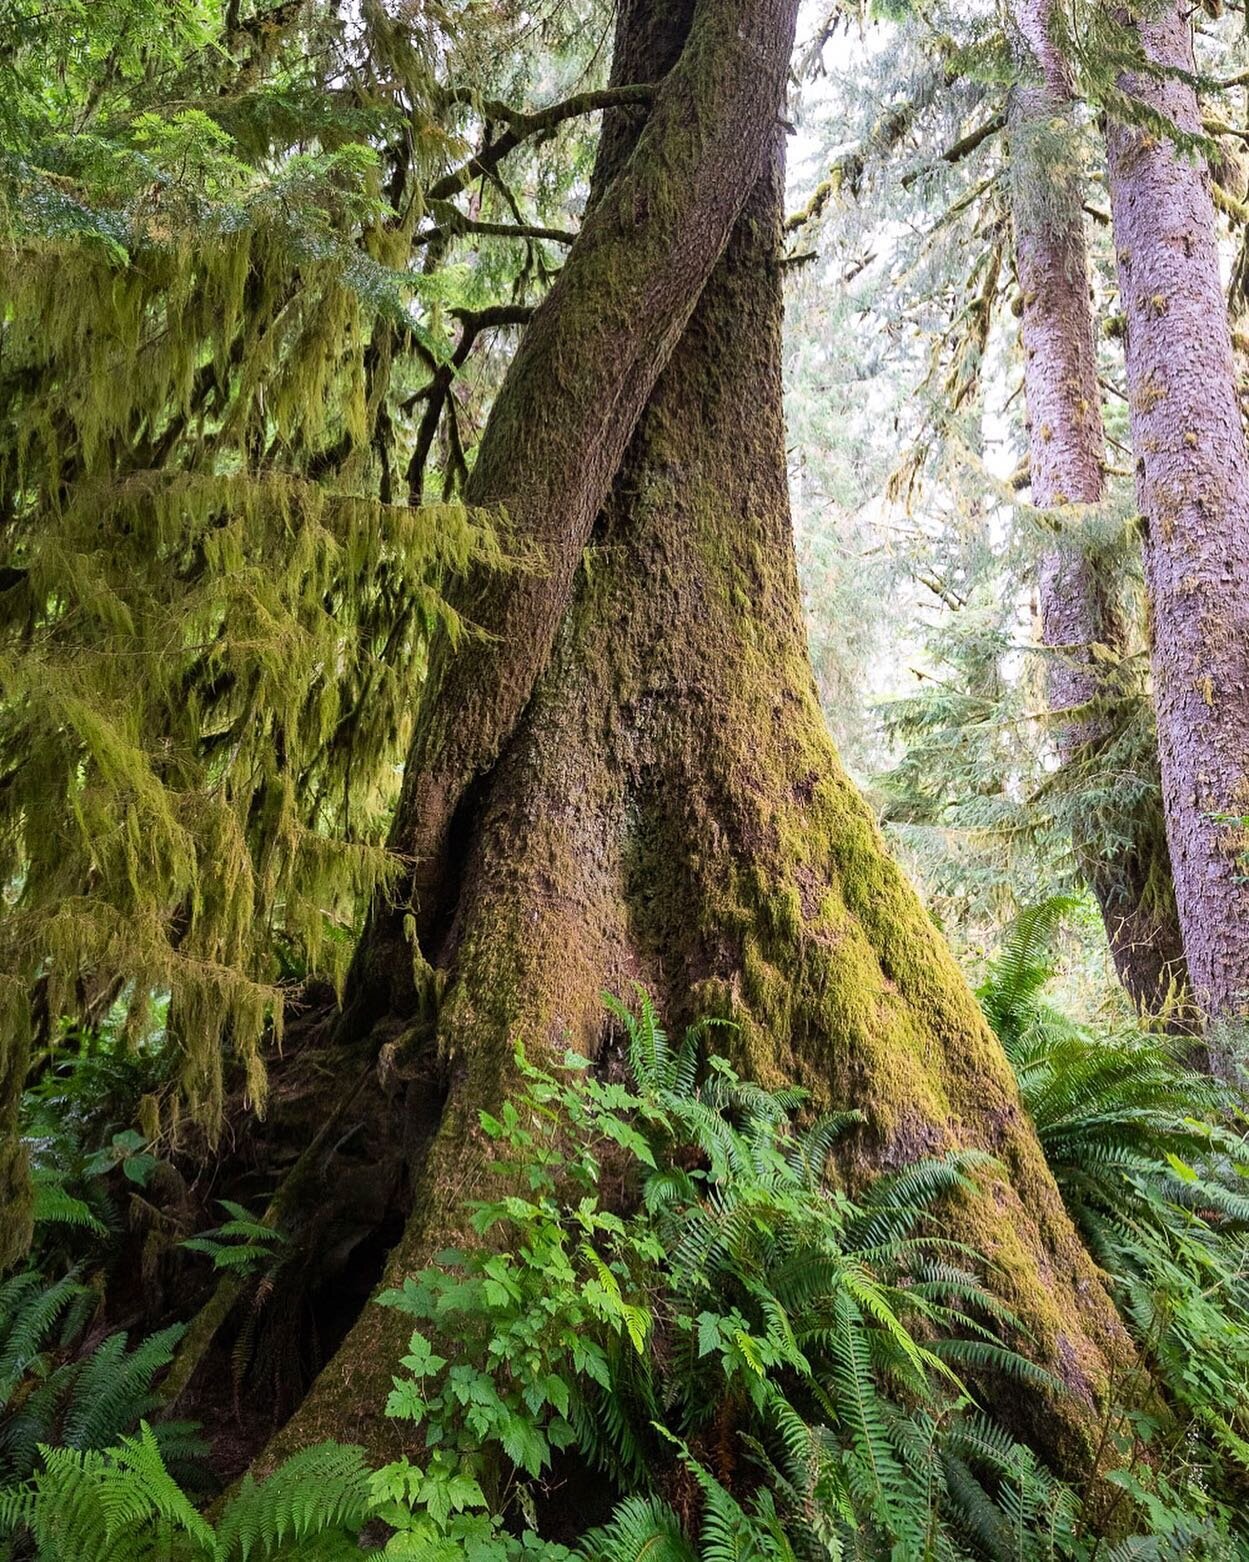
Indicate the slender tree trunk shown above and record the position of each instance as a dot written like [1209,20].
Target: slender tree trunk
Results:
[1192,477]
[1132,883]
[670,808]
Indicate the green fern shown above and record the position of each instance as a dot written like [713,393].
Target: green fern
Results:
[641,1529]
[33,1316]
[54,1205]
[123,1505]
[241,1243]
[50,1396]
[772,1321]
[732,1329]
[1011,992]
[1152,1162]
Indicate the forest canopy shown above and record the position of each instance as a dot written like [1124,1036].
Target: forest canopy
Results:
[624,776]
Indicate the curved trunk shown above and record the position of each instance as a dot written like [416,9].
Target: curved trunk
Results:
[671,809]
[564,415]
[1192,477]
[1066,461]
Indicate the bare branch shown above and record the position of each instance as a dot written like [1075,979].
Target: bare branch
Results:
[454,223]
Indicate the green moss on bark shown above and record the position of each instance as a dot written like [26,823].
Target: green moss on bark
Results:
[671,808]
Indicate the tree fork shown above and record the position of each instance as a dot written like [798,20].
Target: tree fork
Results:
[562,419]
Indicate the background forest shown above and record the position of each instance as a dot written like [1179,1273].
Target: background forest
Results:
[591,964]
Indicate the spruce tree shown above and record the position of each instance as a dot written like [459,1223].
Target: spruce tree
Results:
[657,794]
[1192,479]
[1081,624]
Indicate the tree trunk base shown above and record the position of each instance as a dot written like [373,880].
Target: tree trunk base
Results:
[671,810]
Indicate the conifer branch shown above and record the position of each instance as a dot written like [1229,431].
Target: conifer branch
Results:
[1214,126]
[848,169]
[521,126]
[959,149]
[474,321]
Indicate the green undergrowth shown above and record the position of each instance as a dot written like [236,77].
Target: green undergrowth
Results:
[1151,1158]
[674,1337]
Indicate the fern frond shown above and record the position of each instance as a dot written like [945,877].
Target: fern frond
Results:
[641,1529]
[29,1312]
[319,1489]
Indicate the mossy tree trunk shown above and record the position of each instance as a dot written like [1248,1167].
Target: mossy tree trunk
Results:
[664,205]
[668,807]
[1080,626]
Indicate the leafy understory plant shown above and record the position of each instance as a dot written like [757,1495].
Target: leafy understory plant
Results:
[123,1505]
[670,1296]
[128,1150]
[671,1290]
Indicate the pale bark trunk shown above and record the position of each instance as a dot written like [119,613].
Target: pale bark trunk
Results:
[1067,457]
[1192,475]
[671,808]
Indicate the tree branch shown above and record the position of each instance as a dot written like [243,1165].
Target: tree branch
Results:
[475,321]
[455,222]
[960,149]
[472,323]
[848,168]
[521,126]
[1228,204]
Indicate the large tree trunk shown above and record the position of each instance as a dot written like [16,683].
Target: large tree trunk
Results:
[1192,476]
[1132,882]
[670,808]
[564,415]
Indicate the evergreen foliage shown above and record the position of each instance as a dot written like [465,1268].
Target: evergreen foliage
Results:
[231,323]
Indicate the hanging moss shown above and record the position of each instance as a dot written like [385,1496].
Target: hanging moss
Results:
[207,665]
[213,618]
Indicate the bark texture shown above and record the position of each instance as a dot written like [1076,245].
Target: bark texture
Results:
[670,808]
[1192,476]
[1079,623]
[565,412]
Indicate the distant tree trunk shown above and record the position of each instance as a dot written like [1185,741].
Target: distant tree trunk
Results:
[1192,478]
[1132,883]
[669,807]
